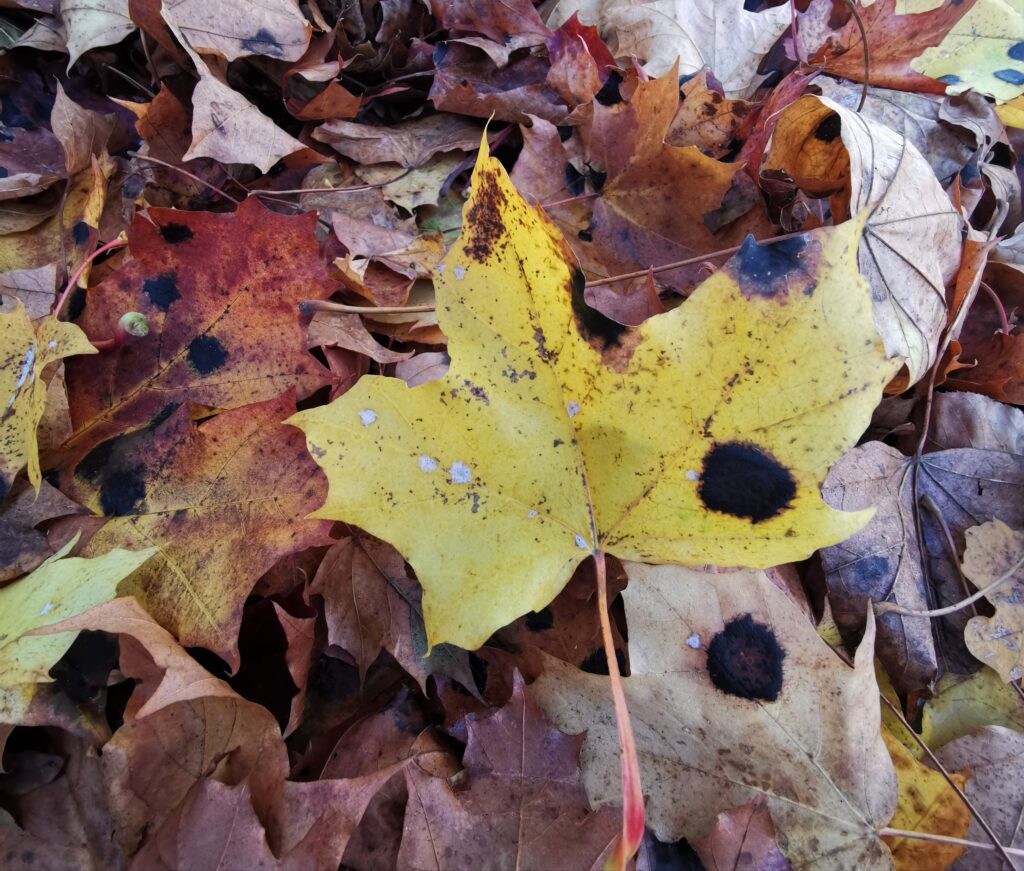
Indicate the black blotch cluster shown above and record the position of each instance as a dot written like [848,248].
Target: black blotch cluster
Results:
[262,43]
[591,323]
[174,234]
[829,128]
[123,491]
[745,660]
[76,303]
[206,354]
[609,94]
[540,621]
[80,233]
[162,290]
[744,480]
[764,269]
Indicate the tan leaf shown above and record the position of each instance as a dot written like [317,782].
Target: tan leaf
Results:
[275,28]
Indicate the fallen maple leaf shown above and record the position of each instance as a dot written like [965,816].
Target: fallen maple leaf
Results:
[531,452]
[734,696]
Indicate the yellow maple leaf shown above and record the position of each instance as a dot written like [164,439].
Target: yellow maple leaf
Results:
[700,437]
[27,352]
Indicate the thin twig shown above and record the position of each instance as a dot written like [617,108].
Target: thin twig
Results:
[575,199]
[944,839]
[185,172]
[700,258]
[949,779]
[320,305]
[893,608]
[1004,321]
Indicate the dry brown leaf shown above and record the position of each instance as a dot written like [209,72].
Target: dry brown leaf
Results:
[822,768]
[911,244]
[275,28]
[743,838]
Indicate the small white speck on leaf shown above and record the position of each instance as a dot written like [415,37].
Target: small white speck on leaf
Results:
[459,273]
[427,464]
[692,475]
[693,641]
[367,416]
[52,343]
[460,473]
[581,543]
[533,513]
[573,408]
[46,609]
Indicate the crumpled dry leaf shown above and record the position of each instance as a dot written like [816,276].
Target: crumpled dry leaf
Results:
[523,805]
[995,757]
[409,144]
[884,561]
[720,34]
[725,695]
[22,546]
[962,704]
[94,23]
[911,244]
[275,28]
[993,549]
[743,837]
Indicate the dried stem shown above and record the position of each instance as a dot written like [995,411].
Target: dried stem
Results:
[632,795]
[73,281]
[186,173]
[321,305]
[1004,321]
[893,608]
[944,839]
[949,779]
[867,52]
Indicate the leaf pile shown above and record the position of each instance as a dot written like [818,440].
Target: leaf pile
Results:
[338,338]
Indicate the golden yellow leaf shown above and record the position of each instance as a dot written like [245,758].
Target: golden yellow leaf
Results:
[27,352]
[700,437]
[928,804]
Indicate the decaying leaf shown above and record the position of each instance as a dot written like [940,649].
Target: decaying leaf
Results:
[27,351]
[554,435]
[742,837]
[911,244]
[725,694]
[61,587]
[994,550]
[523,805]
[963,704]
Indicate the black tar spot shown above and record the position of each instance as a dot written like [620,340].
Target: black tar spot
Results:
[585,236]
[123,492]
[597,663]
[162,415]
[829,129]
[162,290]
[206,355]
[3,172]
[590,322]
[96,461]
[745,481]
[745,660]
[173,234]
[609,94]
[575,181]
[262,43]
[76,303]
[765,269]
[80,233]
[539,621]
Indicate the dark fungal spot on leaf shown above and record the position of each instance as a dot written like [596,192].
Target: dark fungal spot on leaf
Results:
[949,80]
[1016,52]
[80,233]
[206,355]
[162,290]
[745,660]
[609,94]
[174,234]
[123,492]
[262,43]
[98,459]
[1010,76]
[162,415]
[746,481]
[772,269]
[575,182]
[585,236]
[597,662]
[540,621]
[829,129]
[3,172]
[76,303]
[593,326]
[484,224]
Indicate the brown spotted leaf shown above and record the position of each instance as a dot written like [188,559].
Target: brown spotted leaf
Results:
[221,292]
